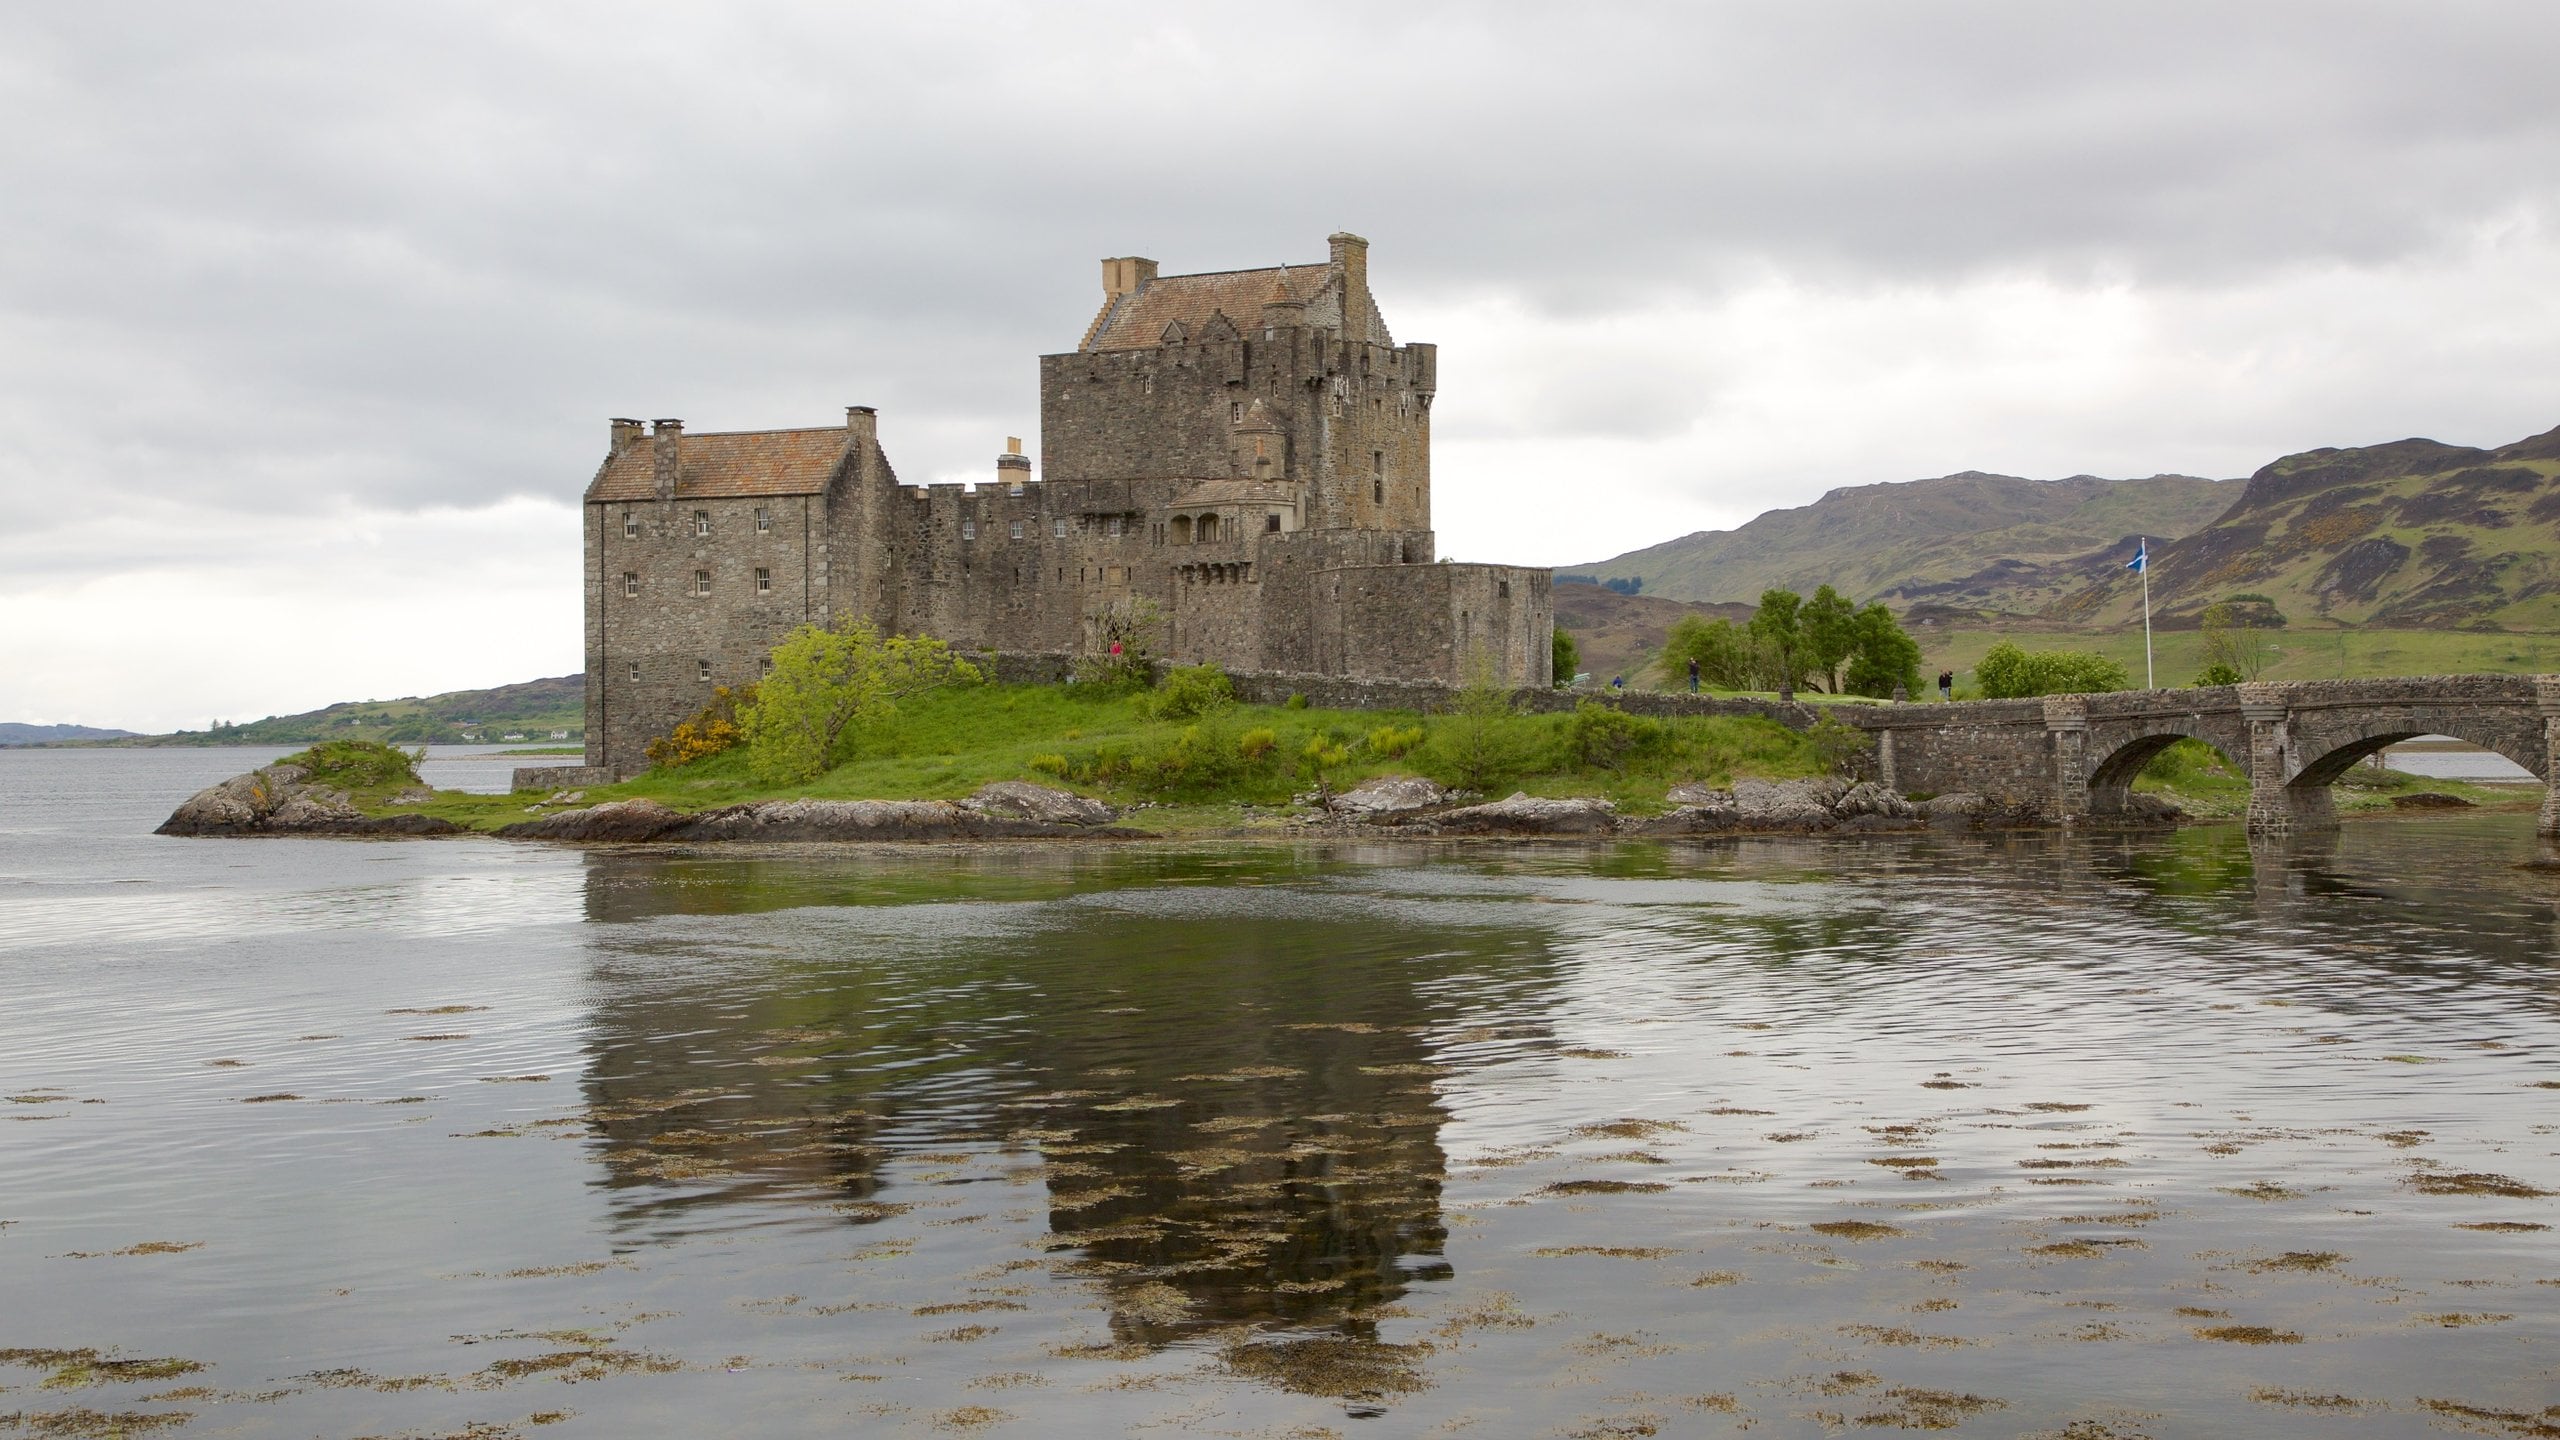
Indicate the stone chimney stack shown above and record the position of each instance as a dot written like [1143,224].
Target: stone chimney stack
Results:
[1126,275]
[1351,261]
[626,432]
[667,439]
[863,423]
[1013,468]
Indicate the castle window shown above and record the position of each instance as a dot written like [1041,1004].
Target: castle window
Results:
[1378,492]
[764,519]
[968,529]
[1146,384]
[1235,413]
[764,581]
[1502,588]
[1017,525]
[635,670]
[765,666]
[1111,527]
[701,582]
[1208,529]
[701,522]
[701,669]
[630,524]
[1271,523]
[1058,528]
[1181,529]
[630,584]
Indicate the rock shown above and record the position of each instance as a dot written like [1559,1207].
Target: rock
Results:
[1697,792]
[1711,819]
[624,820]
[1786,804]
[1869,799]
[414,795]
[1957,810]
[2429,800]
[2149,807]
[1388,795]
[1520,815]
[276,801]
[1022,800]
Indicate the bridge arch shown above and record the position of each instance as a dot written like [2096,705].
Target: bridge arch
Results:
[2323,753]
[2112,774]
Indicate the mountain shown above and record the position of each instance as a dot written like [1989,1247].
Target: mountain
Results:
[14,733]
[1875,540]
[534,709]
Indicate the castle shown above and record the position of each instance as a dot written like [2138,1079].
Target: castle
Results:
[1250,450]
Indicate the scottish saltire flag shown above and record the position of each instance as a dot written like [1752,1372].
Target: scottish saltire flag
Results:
[2141,555]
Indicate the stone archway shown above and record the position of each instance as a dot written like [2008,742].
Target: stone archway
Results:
[2300,747]
[2111,778]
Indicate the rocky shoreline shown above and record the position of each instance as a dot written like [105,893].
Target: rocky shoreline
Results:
[283,799]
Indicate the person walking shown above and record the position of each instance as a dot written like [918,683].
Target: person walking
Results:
[1946,685]
[1693,674]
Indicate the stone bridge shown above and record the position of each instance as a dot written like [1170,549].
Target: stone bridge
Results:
[2076,755]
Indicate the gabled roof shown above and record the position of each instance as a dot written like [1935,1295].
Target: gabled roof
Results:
[733,464]
[1136,321]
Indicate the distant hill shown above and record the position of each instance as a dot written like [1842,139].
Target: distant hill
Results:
[13,733]
[1617,634]
[1876,540]
[534,709]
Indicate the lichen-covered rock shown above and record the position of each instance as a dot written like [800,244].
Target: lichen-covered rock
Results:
[1022,800]
[618,820]
[801,820]
[1388,795]
[1521,815]
[1718,817]
[275,800]
[1786,804]
[1869,800]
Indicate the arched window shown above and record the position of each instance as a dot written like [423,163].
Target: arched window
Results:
[1208,529]
[1181,529]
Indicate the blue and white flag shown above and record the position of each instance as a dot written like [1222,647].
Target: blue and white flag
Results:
[2141,555]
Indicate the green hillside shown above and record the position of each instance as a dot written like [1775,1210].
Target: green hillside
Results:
[533,709]
[1872,540]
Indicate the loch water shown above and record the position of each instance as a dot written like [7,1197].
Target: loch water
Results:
[2089,1135]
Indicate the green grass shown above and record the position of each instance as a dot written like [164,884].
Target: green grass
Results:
[945,745]
[2298,653]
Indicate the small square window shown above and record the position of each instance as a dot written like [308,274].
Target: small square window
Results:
[630,525]
[1111,526]
[764,580]
[1058,529]
[764,518]
[701,582]
[1271,523]
[630,582]
[968,529]
[701,522]
[765,666]
[1017,529]
[635,669]
[701,669]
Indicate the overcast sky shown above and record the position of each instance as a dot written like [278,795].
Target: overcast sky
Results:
[311,316]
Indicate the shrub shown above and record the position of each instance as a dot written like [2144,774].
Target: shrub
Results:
[2010,673]
[1474,742]
[1601,737]
[2218,673]
[1191,692]
[1296,701]
[1054,766]
[1196,759]
[1121,645]
[1257,744]
[826,685]
[1317,762]
[1566,655]
[358,764]
[713,730]
[1390,742]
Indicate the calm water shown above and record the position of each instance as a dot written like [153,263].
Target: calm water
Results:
[2022,1136]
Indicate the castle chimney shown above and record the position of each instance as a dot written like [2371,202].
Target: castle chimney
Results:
[625,432]
[864,423]
[1351,262]
[667,438]
[1126,274]
[1013,468]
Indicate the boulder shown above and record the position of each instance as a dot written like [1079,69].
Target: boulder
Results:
[1785,805]
[1521,815]
[1869,800]
[1389,795]
[1711,819]
[277,800]
[1022,800]
[625,820]
[1956,810]
[795,820]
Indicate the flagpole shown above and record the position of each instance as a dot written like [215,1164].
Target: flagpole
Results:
[2142,548]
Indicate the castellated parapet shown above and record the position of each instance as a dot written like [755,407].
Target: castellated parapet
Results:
[1249,449]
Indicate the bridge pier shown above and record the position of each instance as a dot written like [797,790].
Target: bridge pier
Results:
[2066,724]
[2546,700]
[2277,806]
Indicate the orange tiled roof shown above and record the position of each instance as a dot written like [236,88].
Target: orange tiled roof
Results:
[1137,321]
[722,465]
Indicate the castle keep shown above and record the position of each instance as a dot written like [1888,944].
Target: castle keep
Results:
[1250,450]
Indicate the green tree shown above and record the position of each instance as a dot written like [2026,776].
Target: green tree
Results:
[828,683]
[2233,640]
[1729,657]
[1882,654]
[1829,624]
[1474,741]
[1776,624]
[1120,644]
[2007,672]
[1568,656]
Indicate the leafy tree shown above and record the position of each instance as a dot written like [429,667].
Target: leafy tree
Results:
[1474,740]
[1193,692]
[2217,673]
[1568,656]
[1882,655]
[1602,737]
[827,682]
[2010,673]
[1729,657]
[1829,626]
[1777,624]
[2234,642]
[1120,644]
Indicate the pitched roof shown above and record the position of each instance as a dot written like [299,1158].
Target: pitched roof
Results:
[726,465]
[1136,321]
